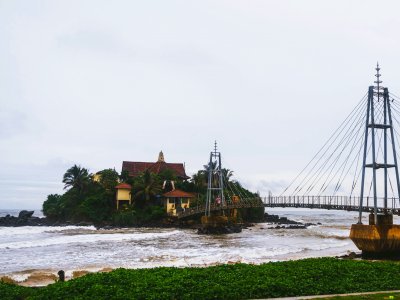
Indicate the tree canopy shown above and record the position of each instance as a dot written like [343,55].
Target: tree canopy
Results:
[92,198]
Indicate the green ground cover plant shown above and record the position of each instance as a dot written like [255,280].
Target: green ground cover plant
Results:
[240,281]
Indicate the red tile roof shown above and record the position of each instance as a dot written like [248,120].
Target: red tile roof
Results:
[123,186]
[178,194]
[135,168]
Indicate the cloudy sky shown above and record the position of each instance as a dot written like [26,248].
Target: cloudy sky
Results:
[98,82]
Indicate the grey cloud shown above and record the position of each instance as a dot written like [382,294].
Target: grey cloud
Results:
[12,123]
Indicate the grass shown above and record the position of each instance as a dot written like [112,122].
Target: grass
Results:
[241,281]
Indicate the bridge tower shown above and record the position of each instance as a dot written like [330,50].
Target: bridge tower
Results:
[218,217]
[376,94]
[380,238]
[215,185]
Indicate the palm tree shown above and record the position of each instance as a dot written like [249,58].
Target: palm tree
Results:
[200,180]
[147,186]
[76,177]
[227,174]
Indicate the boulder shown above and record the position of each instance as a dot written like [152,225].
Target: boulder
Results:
[220,229]
[25,214]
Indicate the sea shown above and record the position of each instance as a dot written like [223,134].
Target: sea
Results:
[33,255]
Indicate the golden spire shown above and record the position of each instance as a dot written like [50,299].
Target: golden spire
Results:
[161,157]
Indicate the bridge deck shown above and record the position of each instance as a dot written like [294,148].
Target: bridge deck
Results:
[244,203]
[331,203]
[318,202]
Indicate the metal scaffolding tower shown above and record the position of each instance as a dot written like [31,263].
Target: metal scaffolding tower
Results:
[215,185]
[375,94]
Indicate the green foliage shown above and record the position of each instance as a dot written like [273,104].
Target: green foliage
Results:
[85,199]
[124,177]
[134,217]
[52,207]
[97,208]
[108,178]
[147,187]
[199,181]
[10,291]
[125,218]
[167,174]
[152,213]
[240,281]
[76,177]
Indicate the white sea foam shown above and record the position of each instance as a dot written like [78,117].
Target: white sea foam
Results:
[85,239]
[85,248]
[28,230]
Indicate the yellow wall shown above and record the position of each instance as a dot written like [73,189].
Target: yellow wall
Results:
[187,204]
[96,177]
[124,194]
[171,207]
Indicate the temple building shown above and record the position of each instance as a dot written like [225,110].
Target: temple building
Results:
[123,195]
[176,201]
[135,168]
[173,200]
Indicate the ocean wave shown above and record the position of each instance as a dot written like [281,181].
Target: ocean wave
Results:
[86,239]
[28,230]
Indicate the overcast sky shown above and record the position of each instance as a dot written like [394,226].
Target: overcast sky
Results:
[98,82]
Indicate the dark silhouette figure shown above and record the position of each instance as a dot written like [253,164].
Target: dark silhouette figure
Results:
[61,276]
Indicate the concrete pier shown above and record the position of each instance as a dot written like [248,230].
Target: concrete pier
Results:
[380,240]
[219,225]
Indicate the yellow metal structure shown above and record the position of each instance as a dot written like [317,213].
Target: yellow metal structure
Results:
[377,239]
[214,221]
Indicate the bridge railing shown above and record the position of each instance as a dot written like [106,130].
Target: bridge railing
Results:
[229,204]
[330,202]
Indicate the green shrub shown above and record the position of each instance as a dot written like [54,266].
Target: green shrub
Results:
[125,218]
[52,207]
[10,291]
[239,281]
[134,217]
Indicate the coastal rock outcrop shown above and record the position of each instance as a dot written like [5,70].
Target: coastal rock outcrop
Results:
[220,229]
[283,221]
[24,214]
[25,218]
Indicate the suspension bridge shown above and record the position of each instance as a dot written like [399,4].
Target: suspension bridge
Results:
[338,176]
[356,169]
[345,174]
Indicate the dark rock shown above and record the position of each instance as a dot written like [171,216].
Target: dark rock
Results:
[84,224]
[25,214]
[351,255]
[285,221]
[108,227]
[220,230]
[296,227]
[25,218]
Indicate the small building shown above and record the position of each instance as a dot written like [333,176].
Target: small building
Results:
[123,195]
[96,177]
[135,168]
[177,200]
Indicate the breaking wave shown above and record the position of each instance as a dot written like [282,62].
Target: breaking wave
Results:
[92,237]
